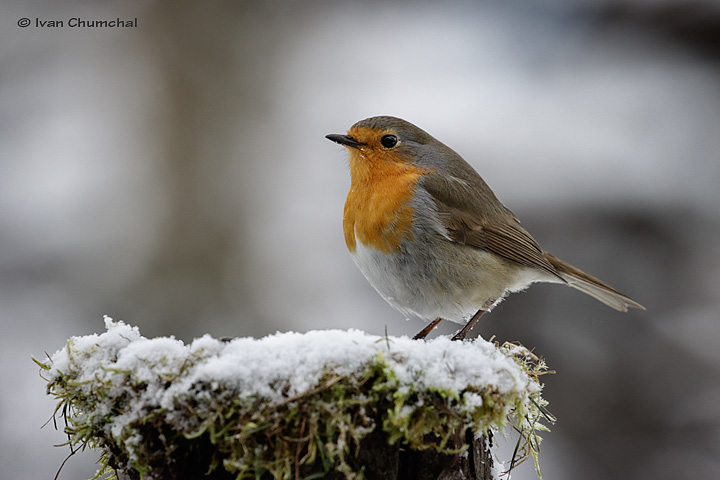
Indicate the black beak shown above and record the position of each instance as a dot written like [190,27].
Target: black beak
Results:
[346,140]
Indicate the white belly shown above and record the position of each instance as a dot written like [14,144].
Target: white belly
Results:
[443,279]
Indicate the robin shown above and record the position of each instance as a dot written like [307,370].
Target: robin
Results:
[432,238]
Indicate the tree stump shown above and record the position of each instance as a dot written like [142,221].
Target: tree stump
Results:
[339,405]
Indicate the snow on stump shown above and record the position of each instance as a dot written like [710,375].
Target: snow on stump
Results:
[323,404]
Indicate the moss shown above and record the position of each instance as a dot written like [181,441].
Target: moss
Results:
[213,428]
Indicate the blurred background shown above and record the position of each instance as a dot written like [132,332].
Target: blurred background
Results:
[176,176]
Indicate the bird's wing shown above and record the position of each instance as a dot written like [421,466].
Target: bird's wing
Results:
[474,217]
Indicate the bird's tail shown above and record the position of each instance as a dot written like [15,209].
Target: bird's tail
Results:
[580,280]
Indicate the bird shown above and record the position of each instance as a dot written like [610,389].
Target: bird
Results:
[430,235]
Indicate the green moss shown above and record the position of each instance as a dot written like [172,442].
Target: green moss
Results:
[213,429]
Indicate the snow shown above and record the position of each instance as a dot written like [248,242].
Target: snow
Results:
[274,368]
[287,364]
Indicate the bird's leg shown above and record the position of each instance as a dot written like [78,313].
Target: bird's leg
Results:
[461,334]
[429,328]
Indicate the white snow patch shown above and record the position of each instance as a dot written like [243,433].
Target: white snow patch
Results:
[276,367]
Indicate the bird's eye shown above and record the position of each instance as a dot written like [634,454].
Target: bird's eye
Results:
[389,141]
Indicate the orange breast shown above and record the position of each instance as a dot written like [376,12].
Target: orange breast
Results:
[377,210]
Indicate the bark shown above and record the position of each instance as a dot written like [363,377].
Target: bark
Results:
[381,461]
